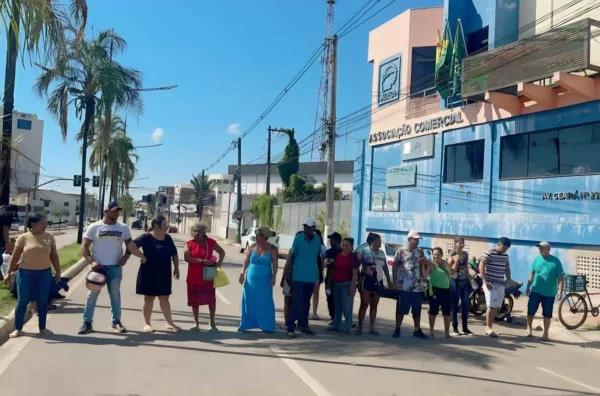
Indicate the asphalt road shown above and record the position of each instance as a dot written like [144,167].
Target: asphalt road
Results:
[231,363]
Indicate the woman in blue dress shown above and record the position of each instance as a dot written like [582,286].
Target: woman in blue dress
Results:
[258,277]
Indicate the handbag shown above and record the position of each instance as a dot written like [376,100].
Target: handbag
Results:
[221,279]
[208,273]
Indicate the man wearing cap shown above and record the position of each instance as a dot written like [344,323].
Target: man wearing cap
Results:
[106,237]
[335,241]
[303,264]
[545,277]
[493,267]
[409,270]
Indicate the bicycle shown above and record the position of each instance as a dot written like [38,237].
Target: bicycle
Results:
[574,313]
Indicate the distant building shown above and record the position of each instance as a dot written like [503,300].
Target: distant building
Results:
[184,193]
[47,201]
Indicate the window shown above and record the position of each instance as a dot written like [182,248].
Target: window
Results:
[423,67]
[563,152]
[46,203]
[478,40]
[66,204]
[464,162]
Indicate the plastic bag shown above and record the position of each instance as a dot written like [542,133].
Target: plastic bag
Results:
[221,279]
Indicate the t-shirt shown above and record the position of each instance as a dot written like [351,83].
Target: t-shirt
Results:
[409,270]
[36,250]
[546,271]
[6,219]
[306,256]
[200,251]
[463,266]
[107,240]
[495,266]
[344,265]
[371,259]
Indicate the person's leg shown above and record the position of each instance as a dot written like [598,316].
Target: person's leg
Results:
[212,309]
[196,311]
[24,292]
[547,307]
[338,305]
[434,309]
[43,283]
[308,289]
[113,282]
[445,304]
[465,292]
[287,302]
[348,307]
[454,303]
[331,304]
[315,300]
[402,308]
[532,307]
[165,307]
[416,305]
[295,306]
[147,305]
[373,312]
[490,313]
[365,298]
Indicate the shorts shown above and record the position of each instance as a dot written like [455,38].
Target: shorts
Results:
[440,298]
[410,301]
[494,296]
[535,299]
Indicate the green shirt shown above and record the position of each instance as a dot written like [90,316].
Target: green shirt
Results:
[439,277]
[546,271]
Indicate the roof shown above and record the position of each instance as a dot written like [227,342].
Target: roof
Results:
[306,168]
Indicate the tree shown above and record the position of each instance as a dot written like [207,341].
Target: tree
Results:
[290,162]
[37,25]
[60,213]
[126,202]
[262,209]
[201,186]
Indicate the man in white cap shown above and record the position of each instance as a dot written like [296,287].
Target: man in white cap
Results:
[302,266]
[545,277]
[409,270]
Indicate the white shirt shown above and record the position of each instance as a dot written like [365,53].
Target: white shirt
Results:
[107,241]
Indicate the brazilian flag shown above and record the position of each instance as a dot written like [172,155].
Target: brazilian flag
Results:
[442,63]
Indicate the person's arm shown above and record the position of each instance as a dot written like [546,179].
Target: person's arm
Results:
[221,252]
[14,260]
[453,264]
[55,262]
[275,259]
[87,254]
[245,265]
[507,270]
[187,256]
[174,258]
[530,278]
[561,280]
[132,247]
[386,272]
[395,269]
[482,264]
[352,289]
[289,261]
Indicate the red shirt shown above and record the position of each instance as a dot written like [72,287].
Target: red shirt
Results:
[198,251]
[343,267]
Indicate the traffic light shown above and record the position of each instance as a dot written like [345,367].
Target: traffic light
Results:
[77,180]
[96,181]
[164,200]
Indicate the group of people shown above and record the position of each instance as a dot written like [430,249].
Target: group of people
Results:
[343,271]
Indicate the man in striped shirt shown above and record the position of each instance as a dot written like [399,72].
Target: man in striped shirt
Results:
[494,265]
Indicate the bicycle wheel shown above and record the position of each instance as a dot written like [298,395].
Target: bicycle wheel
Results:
[572,311]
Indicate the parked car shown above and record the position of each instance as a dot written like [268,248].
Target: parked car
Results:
[137,225]
[249,238]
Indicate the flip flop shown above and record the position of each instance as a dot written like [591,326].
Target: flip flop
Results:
[374,332]
[195,329]
[173,328]
[528,335]
[16,334]
[492,334]
[148,329]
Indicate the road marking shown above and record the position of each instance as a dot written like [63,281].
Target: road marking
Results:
[300,372]
[569,379]
[222,297]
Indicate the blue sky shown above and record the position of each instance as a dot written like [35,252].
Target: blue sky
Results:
[230,60]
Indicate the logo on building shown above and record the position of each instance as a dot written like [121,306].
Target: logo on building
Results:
[389,81]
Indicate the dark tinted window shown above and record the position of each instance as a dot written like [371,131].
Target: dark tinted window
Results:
[478,40]
[423,68]
[513,155]
[464,162]
[579,150]
[543,154]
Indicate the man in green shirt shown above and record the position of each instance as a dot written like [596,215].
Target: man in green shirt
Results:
[545,277]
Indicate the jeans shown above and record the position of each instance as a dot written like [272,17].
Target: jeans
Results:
[460,291]
[343,304]
[300,307]
[32,285]
[114,275]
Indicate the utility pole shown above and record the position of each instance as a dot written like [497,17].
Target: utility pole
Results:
[239,189]
[330,193]
[268,177]
[200,208]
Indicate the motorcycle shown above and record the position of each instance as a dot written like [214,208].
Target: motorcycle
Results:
[479,305]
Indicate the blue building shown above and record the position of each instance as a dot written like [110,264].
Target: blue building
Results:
[519,156]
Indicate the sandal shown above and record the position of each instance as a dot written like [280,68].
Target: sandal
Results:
[213,329]
[431,334]
[195,329]
[16,334]
[374,332]
[491,333]
[358,332]
[148,329]
[173,328]
[316,317]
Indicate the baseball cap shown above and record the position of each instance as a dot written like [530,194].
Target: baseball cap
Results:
[543,244]
[309,222]
[335,235]
[414,234]
[113,206]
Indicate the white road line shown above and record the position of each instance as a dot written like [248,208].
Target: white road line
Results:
[312,383]
[569,379]
[222,297]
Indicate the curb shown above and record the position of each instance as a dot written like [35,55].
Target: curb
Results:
[7,323]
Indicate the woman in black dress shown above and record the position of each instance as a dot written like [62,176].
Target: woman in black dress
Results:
[154,276]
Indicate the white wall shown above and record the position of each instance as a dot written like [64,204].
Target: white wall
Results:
[255,184]
[531,11]
[57,200]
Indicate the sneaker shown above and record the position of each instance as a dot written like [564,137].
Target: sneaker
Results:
[308,331]
[86,328]
[118,327]
[455,332]
[396,333]
[467,332]
[292,334]
[419,334]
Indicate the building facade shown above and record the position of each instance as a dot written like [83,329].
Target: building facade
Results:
[516,157]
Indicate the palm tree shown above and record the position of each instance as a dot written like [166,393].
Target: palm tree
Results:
[34,23]
[77,77]
[201,186]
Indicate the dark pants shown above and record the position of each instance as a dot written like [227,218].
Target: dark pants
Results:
[547,302]
[460,291]
[32,285]
[301,294]
[330,305]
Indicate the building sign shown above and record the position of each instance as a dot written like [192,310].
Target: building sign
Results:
[389,81]
[24,124]
[401,176]
[385,201]
[417,127]
[419,147]
[572,196]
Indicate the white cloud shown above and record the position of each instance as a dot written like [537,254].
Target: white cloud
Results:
[157,135]
[234,128]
